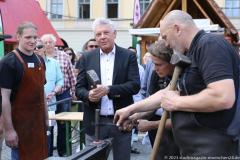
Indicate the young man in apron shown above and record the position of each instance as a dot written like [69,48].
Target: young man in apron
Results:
[23,99]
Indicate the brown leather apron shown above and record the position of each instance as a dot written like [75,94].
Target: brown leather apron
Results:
[28,113]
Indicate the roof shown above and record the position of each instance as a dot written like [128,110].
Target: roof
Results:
[15,12]
[201,23]
[198,9]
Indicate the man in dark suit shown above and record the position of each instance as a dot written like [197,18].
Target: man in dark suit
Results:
[119,80]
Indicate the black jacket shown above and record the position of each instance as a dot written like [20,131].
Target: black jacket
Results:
[126,82]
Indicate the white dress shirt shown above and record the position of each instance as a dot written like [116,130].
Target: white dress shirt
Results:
[106,66]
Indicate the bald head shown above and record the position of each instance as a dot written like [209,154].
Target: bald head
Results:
[178,16]
[178,30]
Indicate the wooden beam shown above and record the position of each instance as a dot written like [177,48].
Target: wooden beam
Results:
[184,5]
[154,9]
[201,9]
[170,7]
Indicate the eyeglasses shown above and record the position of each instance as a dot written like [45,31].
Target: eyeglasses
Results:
[93,46]
[39,46]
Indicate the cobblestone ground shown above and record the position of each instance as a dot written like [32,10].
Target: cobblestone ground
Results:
[143,155]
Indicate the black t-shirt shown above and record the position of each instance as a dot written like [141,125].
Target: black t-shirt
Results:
[213,59]
[11,70]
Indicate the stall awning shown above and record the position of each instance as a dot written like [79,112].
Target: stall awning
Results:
[15,12]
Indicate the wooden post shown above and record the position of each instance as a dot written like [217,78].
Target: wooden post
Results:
[184,5]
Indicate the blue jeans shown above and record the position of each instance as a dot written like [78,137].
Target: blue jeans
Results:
[61,132]
[15,154]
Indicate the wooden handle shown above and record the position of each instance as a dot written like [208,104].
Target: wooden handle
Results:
[161,126]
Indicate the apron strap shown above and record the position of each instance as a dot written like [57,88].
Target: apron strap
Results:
[18,56]
[16,52]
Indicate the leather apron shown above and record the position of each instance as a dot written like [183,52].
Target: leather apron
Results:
[28,112]
[197,140]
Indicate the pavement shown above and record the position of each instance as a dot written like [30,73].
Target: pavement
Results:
[144,149]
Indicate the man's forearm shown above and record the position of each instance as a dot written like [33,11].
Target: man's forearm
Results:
[217,96]
[149,104]
[7,115]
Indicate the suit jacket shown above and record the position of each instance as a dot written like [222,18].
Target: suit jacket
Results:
[126,82]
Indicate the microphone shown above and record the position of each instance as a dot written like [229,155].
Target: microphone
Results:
[93,78]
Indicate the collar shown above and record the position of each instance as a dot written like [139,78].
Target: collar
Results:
[196,39]
[46,58]
[113,51]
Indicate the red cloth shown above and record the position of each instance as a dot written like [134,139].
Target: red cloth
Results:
[15,12]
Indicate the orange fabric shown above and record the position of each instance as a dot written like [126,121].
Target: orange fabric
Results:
[28,113]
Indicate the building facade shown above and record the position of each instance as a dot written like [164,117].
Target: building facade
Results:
[72,19]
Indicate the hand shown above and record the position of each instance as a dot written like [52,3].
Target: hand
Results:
[92,96]
[97,93]
[121,116]
[127,126]
[144,125]
[11,138]
[102,90]
[169,99]
[50,96]
[135,117]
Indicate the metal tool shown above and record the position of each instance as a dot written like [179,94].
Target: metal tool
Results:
[97,111]
[93,78]
[97,151]
[180,61]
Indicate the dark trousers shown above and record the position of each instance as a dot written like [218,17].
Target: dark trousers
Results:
[121,140]
[61,131]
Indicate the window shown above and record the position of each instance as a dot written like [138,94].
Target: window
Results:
[112,8]
[84,9]
[143,5]
[56,9]
[232,8]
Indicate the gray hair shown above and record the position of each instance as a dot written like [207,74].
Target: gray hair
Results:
[103,21]
[25,25]
[179,16]
[49,36]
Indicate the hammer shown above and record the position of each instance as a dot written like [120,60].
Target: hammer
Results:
[180,61]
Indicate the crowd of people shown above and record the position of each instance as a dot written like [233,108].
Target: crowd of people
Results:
[129,95]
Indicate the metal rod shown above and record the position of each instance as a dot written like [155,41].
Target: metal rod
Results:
[97,111]
[61,101]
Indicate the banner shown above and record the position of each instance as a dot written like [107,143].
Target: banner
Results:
[136,12]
